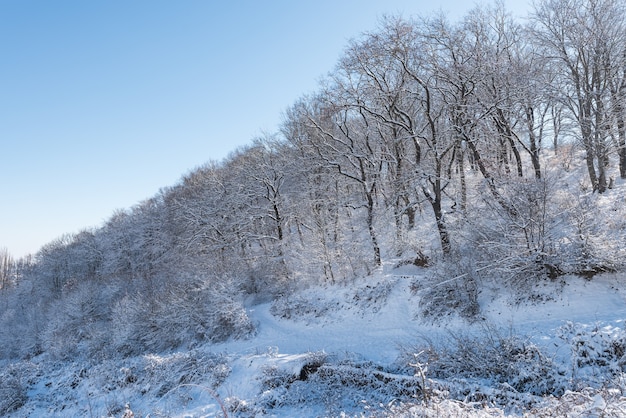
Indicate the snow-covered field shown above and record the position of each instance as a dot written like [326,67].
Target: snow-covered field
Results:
[363,350]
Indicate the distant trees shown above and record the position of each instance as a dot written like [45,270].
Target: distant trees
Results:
[205,222]
[7,268]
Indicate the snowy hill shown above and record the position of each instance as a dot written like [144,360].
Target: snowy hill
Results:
[438,231]
[346,351]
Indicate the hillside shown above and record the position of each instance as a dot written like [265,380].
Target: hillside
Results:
[439,230]
[405,340]
[336,350]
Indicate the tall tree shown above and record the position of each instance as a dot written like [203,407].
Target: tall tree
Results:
[384,96]
[585,39]
[347,143]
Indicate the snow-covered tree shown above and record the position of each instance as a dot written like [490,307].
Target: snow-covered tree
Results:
[585,40]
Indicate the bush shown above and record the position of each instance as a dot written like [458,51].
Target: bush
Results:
[511,364]
[548,231]
[338,384]
[302,307]
[598,354]
[179,314]
[12,390]
[309,305]
[448,291]
[164,374]
[372,297]
[79,320]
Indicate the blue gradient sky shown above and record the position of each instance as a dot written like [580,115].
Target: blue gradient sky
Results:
[102,103]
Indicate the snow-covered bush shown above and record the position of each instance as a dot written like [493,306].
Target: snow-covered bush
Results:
[588,402]
[440,408]
[303,307]
[465,364]
[585,403]
[103,388]
[12,390]
[162,374]
[594,241]
[598,354]
[79,320]
[542,229]
[450,289]
[20,323]
[179,314]
[309,305]
[515,240]
[371,297]
[340,385]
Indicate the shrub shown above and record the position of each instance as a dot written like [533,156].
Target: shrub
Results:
[467,363]
[448,291]
[12,390]
[179,314]
[79,320]
[598,354]
[338,384]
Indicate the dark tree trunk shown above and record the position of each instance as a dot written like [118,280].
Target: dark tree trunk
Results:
[534,145]
[444,236]
[371,230]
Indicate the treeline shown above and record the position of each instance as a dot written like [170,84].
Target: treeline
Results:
[11,269]
[453,145]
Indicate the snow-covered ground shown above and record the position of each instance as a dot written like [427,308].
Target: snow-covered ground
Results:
[345,351]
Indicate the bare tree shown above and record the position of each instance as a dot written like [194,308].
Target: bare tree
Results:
[617,86]
[585,39]
[320,196]
[263,172]
[204,220]
[345,141]
[385,98]
[7,268]
[396,91]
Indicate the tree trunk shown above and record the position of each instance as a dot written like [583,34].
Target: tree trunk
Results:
[489,179]
[506,136]
[585,128]
[532,138]
[618,110]
[372,231]
[556,127]
[591,169]
[444,237]
[461,162]
[518,157]
[435,202]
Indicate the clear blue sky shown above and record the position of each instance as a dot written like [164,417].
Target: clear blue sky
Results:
[104,102]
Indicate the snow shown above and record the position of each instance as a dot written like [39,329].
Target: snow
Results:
[369,322]
[581,300]
[350,328]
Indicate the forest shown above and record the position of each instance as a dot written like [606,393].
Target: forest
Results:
[450,146]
